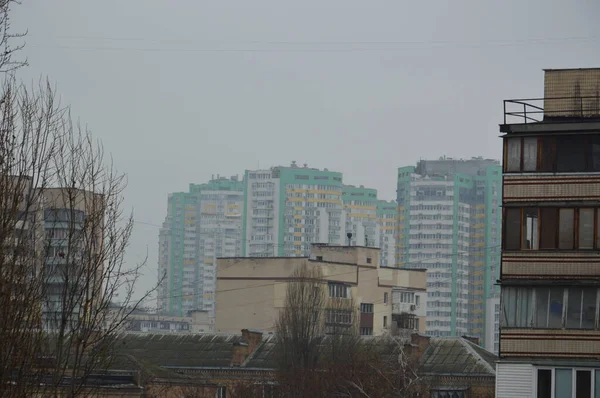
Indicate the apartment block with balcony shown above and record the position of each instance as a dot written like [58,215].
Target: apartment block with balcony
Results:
[550,269]
[251,291]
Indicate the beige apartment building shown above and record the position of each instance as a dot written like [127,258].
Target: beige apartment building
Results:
[251,291]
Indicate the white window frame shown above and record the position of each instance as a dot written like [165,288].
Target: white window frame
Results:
[573,378]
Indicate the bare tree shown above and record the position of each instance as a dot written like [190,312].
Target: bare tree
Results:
[63,236]
[7,37]
[321,353]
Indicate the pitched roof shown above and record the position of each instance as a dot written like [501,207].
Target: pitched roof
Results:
[190,350]
[456,355]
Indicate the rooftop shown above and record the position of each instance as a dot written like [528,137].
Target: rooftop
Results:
[457,355]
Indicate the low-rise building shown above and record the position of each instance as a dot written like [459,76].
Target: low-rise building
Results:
[251,291]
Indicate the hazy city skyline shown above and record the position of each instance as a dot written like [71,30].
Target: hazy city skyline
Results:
[177,94]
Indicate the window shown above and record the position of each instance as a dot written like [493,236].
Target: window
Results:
[448,394]
[566,223]
[417,300]
[512,234]
[583,384]
[513,154]
[338,290]
[530,153]
[549,219]
[566,153]
[385,321]
[385,298]
[368,260]
[549,308]
[563,383]
[567,383]
[530,229]
[319,258]
[338,317]
[544,383]
[586,229]
[221,392]
[366,331]
[366,308]
[550,228]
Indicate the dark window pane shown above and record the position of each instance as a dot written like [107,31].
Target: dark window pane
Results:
[570,154]
[556,308]
[530,229]
[594,155]
[512,230]
[513,154]
[565,228]
[583,384]
[542,307]
[544,383]
[574,308]
[549,225]
[589,308]
[546,152]
[586,228]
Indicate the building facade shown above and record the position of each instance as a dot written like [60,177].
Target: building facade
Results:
[201,225]
[287,209]
[360,208]
[449,222]
[251,291]
[74,278]
[550,270]
[387,224]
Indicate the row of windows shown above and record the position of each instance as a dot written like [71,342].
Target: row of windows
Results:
[567,383]
[553,154]
[551,228]
[550,307]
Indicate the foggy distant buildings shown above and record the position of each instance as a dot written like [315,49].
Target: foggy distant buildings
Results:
[201,225]
[446,219]
[449,222]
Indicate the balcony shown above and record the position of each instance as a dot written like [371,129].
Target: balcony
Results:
[537,110]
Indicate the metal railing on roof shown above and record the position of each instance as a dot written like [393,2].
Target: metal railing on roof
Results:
[535,110]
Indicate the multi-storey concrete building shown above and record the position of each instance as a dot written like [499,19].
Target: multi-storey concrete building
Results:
[201,225]
[449,223]
[550,275]
[251,291]
[287,209]
[74,228]
[387,224]
[360,208]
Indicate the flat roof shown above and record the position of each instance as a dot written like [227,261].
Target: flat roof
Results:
[565,69]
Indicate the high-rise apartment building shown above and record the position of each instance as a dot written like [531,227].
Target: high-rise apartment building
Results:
[201,225]
[74,228]
[287,209]
[550,275]
[449,223]
[387,224]
[360,208]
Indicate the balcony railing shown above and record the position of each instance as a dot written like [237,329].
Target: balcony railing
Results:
[535,110]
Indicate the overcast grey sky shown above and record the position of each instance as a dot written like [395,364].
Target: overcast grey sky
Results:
[180,90]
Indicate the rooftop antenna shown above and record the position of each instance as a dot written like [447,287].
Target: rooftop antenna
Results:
[349,235]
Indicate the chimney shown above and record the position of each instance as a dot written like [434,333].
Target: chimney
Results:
[472,339]
[253,338]
[239,353]
[419,343]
